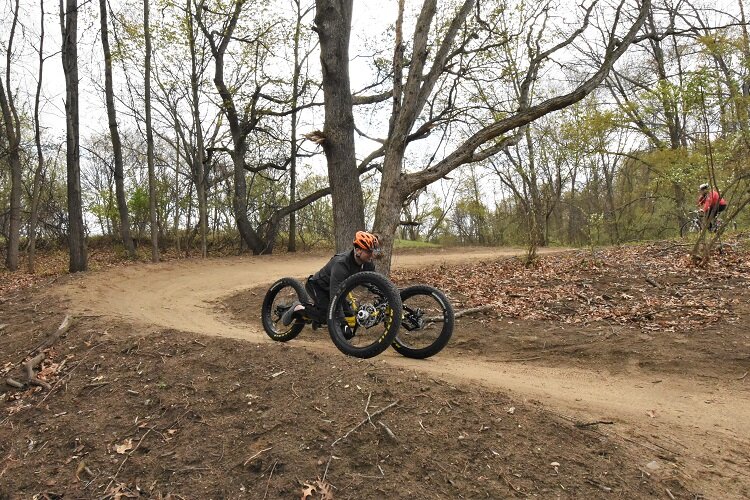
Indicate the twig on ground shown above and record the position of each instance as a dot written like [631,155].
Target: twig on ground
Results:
[256,455]
[598,485]
[326,471]
[57,384]
[367,406]
[653,282]
[743,376]
[268,483]
[365,421]
[581,425]
[127,457]
[423,427]
[387,430]
[512,486]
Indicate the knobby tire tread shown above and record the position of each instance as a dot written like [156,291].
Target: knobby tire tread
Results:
[448,323]
[266,313]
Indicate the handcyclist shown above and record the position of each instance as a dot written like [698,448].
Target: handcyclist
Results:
[710,203]
[322,285]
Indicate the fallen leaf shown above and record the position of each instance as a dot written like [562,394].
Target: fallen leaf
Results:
[126,446]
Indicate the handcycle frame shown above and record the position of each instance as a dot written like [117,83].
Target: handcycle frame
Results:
[387,309]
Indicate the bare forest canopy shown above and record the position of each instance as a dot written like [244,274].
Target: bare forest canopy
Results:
[256,125]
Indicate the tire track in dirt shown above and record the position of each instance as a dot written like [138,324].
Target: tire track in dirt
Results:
[685,418]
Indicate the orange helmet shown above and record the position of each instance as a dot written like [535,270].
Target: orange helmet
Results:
[366,241]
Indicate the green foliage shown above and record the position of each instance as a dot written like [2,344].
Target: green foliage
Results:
[138,208]
[413,245]
[103,206]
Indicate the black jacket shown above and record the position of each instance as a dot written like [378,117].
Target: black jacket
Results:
[340,267]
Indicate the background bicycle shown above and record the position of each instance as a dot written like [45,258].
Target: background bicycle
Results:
[695,222]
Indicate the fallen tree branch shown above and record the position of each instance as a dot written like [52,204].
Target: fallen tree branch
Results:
[14,383]
[473,310]
[363,422]
[29,365]
[52,338]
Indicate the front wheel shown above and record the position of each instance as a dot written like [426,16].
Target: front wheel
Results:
[364,315]
[279,298]
[689,227]
[426,324]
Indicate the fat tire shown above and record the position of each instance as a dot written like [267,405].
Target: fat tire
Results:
[388,291]
[448,322]
[266,313]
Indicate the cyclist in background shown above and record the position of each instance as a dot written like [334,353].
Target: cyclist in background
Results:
[710,203]
[322,285]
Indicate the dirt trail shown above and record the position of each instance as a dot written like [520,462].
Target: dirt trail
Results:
[182,294]
[696,423]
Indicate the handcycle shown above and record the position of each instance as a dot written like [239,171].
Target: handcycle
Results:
[417,321]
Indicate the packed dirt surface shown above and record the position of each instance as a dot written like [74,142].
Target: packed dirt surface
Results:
[177,390]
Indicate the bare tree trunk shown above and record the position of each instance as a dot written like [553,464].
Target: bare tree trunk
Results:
[150,138]
[409,98]
[37,182]
[533,234]
[198,168]
[119,173]
[292,245]
[333,25]
[177,194]
[69,52]
[240,126]
[742,104]
[13,134]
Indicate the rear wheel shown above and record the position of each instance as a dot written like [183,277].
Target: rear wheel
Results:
[364,315]
[426,323]
[279,298]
